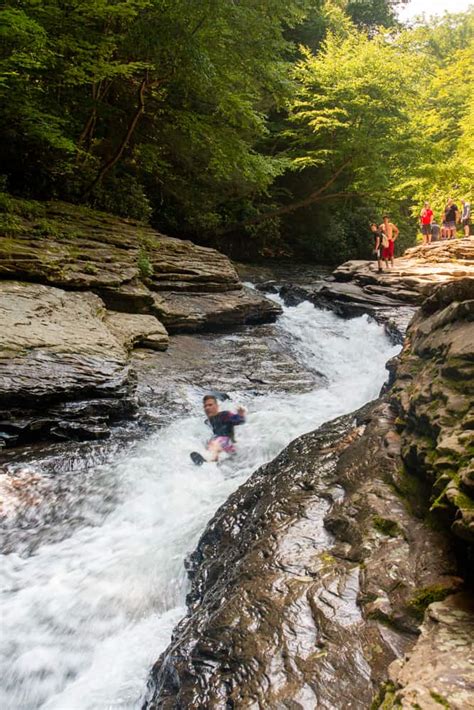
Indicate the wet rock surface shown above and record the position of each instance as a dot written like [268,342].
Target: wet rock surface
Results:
[62,372]
[310,572]
[438,673]
[250,359]
[434,398]
[191,313]
[324,565]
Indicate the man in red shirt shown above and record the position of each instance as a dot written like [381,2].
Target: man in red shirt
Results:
[426,218]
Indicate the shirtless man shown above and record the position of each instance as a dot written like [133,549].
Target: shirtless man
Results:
[451,216]
[392,232]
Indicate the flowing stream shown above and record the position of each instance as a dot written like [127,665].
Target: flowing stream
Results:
[84,615]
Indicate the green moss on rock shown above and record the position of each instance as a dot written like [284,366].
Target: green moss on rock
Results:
[426,596]
[387,527]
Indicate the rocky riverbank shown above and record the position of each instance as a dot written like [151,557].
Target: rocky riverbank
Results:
[390,297]
[335,561]
[79,291]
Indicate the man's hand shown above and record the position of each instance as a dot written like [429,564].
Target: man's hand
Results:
[241,411]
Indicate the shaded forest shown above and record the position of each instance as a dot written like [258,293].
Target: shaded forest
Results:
[272,128]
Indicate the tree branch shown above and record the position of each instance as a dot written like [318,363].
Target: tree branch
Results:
[316,196]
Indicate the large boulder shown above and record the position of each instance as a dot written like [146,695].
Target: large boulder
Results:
[62,371]
[133,268]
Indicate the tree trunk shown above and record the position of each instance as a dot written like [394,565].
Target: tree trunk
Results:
[109,164]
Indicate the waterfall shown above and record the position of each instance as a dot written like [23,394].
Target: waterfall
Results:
[84,618]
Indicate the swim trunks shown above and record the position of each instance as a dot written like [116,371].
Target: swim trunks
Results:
[225,443]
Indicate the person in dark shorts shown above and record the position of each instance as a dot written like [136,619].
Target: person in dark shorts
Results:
[435,231]
[222,425]
[426,218]
[378,246]
[451,216]
[466,217]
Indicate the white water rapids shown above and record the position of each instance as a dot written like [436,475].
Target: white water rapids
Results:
[82,620]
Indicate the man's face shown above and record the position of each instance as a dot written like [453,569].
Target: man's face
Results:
[211,407]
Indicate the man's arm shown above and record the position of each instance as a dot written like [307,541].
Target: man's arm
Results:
[395,231]
[238,418]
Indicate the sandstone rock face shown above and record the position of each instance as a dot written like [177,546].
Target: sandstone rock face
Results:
[438,673]
[132,329]
[76,248]
[189,312]
[288,611]
[133,268]
[61,369]
[434,396]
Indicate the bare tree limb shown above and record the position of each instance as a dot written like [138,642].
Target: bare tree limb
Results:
[316,196]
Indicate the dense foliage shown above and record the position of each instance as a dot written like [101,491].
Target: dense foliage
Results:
[265,127]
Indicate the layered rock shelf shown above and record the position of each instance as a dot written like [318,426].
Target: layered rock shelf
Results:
[312,584]
[356,286]
[62,371]
[434,398]
[79,290]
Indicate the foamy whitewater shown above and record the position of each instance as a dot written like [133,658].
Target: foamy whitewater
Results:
[83,619]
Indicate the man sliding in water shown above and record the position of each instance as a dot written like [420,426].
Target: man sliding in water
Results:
[222,425]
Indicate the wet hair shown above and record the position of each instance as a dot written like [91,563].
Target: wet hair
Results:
[386,216]
[207,397]
[373,224]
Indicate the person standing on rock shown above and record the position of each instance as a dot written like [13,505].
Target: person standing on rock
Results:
[379,246]
[222,425]
[426,218]
[391,230]
[435,229]
[466,217]
[451,216]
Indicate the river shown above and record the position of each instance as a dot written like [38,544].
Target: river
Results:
[90,597]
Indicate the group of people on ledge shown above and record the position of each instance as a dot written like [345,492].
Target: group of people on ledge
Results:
[386,233]
[432,231]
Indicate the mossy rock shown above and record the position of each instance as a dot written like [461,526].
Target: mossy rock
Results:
[426,596]
[386,698]
[387,527]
